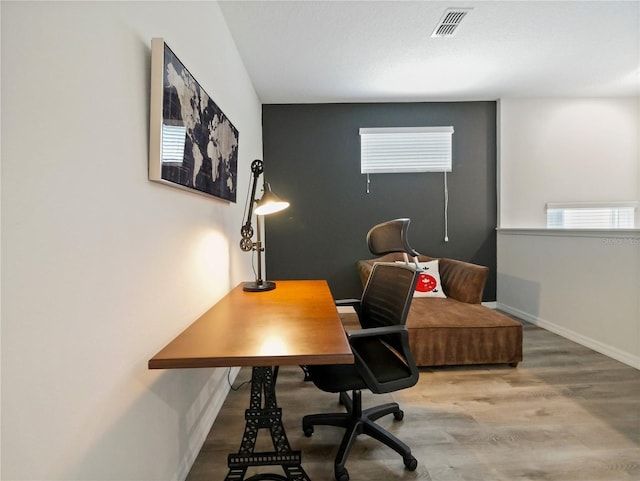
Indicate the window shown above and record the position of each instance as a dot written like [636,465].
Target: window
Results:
[173,140]
[405,149]
[605,215]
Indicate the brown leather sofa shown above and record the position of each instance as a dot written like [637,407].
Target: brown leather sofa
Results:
[459,329]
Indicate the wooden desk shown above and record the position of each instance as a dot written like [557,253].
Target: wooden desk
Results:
[295,324]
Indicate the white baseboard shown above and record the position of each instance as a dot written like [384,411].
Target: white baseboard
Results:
[612,352]
[210,401]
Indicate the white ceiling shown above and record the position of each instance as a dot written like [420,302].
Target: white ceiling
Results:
[380,51]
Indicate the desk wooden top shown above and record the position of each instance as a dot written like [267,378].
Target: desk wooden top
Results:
[296,323]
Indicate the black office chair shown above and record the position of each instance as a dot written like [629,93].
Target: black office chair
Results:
[384,238]
[383,363]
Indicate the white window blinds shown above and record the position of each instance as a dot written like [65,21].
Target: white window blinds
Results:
[606,215]
[405,149]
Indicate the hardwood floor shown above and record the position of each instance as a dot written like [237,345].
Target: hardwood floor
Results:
[566,413]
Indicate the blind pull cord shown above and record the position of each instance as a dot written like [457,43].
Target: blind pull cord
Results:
[446,209]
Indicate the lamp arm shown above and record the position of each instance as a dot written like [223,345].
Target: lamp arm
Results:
[268,204]
[247,230]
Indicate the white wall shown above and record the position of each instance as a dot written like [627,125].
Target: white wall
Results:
[582,285]
[100,267]
[565,150]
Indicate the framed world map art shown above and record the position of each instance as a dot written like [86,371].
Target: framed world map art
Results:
[192,143]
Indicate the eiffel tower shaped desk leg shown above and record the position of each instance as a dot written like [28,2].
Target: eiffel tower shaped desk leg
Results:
[267,416]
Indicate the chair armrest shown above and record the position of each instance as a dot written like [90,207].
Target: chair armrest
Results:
[376,332]
[347,302]
[378,349]
[355,303]
[395,336]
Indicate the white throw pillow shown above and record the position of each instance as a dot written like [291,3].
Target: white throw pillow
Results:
[429,284]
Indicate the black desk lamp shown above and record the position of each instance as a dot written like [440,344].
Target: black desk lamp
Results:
[270,203]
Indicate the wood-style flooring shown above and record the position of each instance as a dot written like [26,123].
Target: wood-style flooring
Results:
[566,413]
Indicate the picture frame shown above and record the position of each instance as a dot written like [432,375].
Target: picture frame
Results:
[192,143]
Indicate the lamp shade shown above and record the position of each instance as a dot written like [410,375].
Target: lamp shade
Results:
[270,203]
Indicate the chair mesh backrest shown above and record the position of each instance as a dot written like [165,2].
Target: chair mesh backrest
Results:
[387,296]
[390,236]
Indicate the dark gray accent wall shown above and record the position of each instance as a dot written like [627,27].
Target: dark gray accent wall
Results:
[312,159]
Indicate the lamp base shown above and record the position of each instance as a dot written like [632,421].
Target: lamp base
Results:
[259,286]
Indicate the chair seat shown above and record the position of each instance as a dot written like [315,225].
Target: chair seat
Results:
[336,377]
[382,361]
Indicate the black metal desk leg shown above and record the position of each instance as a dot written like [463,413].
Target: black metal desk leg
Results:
[265,416]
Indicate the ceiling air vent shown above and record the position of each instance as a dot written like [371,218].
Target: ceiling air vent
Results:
[449,22]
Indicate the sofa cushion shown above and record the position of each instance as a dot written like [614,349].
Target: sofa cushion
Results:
[452,313]
[446,332]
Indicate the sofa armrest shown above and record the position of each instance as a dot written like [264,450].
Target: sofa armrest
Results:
[462,281]
[364,270]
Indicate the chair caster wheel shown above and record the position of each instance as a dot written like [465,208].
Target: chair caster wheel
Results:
[410,463]
[307,430]
[342,475]
[398,415]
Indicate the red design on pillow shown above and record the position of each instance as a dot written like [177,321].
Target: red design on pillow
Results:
[426,283]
